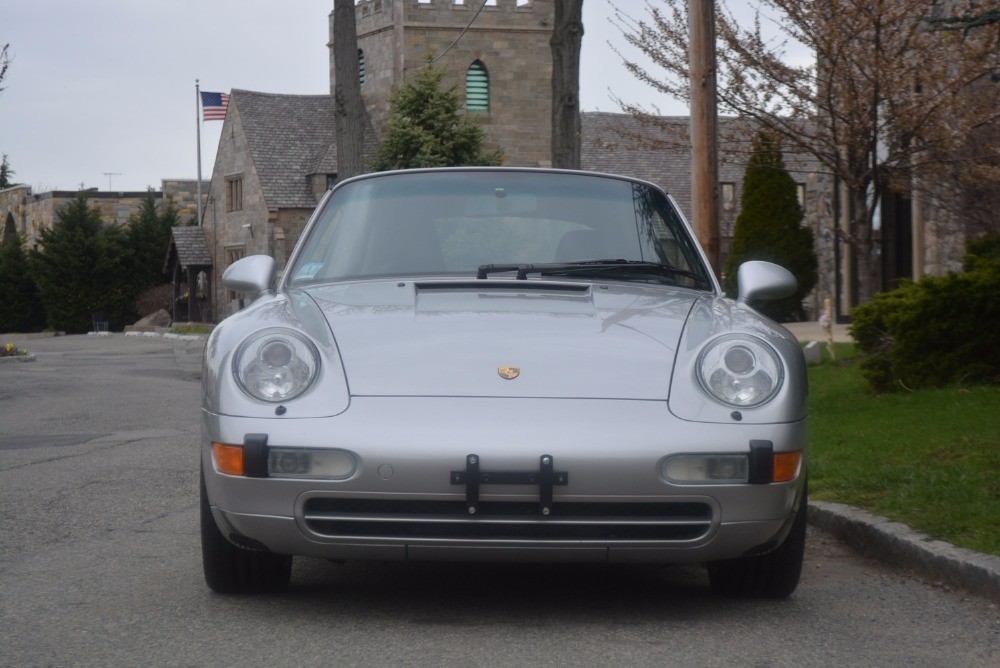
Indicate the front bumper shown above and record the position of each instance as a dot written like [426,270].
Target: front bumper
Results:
[404,503]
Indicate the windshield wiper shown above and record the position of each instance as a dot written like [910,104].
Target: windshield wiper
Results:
[638,267]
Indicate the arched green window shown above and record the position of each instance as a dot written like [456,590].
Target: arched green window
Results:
[477,88]
[361,66]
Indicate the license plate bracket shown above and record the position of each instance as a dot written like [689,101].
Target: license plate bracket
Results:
[474,477]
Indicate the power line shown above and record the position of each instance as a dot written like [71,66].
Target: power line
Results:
[457,39]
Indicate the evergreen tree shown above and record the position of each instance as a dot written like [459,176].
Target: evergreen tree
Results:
[427,130]
[5,173]
[769,228]
[82,269]
[148,241]
[20,310]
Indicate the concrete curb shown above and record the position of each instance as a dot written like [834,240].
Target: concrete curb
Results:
[902,547]
[13,359]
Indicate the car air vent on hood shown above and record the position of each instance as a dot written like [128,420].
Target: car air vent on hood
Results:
[521,287]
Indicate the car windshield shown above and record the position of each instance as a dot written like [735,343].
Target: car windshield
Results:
[489,222]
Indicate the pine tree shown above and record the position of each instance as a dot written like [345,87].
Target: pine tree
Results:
[82,269]
[769,227]
[427,130]
[5,173]
[149,240]
[20,310]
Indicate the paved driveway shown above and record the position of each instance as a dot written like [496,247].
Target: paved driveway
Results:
[99,565]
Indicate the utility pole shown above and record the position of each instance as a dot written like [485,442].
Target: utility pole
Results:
[704,128]
[566,42]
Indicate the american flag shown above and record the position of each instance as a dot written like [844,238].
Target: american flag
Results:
[213,105]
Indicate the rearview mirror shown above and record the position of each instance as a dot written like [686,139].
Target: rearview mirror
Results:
[253,274]
[765,280]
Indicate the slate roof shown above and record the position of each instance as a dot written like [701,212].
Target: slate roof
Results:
[190,246]
[623,144]
[293,136]
[290,137]
[609,143]
[327,161]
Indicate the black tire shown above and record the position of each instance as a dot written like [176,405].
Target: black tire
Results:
[233,570]
[773,575]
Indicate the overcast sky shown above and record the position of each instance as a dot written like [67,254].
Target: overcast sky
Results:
[102,91]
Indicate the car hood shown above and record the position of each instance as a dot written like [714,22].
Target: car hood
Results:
[451,338]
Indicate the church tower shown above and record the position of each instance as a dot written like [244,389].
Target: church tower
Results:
[497,53]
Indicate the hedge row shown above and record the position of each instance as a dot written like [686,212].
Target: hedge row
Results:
[935,332]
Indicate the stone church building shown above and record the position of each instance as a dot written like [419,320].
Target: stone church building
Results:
[277,153]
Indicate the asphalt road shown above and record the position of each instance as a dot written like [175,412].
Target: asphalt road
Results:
[99,564]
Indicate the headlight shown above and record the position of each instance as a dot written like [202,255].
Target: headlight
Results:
[740,371]
[276,365]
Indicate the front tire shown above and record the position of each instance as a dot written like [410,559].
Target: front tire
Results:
[773,575]
[233,570]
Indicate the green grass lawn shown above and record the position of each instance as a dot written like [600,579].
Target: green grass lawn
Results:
[929,458]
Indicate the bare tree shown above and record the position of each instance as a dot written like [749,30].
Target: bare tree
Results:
[349,108]
[887,102]
[567,37]
[967,21]
[4,62]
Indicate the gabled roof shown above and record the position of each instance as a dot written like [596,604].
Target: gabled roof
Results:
[326,163]
[286,135]
[291,137]
[189,247]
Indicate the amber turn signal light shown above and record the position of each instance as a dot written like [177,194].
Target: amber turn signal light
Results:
[228,459]
[786,465]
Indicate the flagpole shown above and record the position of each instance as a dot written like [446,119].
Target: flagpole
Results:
[197,118]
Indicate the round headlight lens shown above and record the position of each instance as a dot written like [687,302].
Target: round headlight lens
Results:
[740,371]
[276,365]
[276,354]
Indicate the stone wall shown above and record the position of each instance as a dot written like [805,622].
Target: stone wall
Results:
[14,210]
[252,230]
[184,195]
[290,222]
[31,212]
[510,37]
[245,231]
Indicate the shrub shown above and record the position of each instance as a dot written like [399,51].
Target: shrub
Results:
[984,248]
[769,227]
[939,331]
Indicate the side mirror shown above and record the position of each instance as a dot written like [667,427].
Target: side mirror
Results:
[765,280]
[253,274]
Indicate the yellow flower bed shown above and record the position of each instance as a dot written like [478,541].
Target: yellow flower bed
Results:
[10,350]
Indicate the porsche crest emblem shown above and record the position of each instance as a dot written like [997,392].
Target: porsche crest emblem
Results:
[509,372]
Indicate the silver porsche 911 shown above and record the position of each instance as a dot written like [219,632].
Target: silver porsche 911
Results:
[498,364]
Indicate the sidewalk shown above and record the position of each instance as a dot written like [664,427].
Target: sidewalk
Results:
[811,331]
